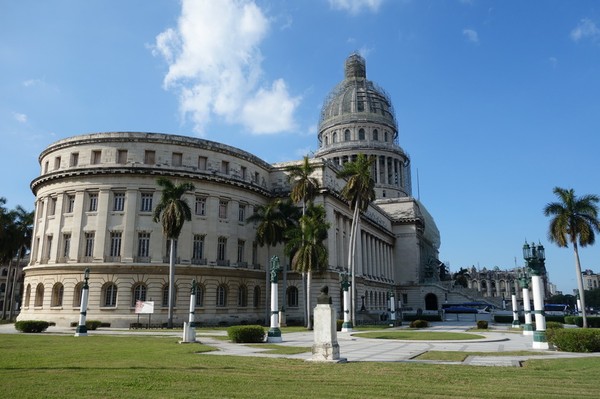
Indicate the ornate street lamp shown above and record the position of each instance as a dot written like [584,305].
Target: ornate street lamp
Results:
[392,299]
[535,258]
[189,331]
[274,334]
[347,325]
[81,330]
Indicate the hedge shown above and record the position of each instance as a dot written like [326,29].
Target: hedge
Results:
[501,318]
[246,334]
[419,324]
[31,326]
[592,322]
[427,317]
[574,339]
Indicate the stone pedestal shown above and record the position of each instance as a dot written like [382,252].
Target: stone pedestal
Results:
[325,347]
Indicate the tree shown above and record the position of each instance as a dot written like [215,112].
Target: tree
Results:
[574,220]
[359,191]
[304,189]
[269,232]
[307,249]
[461,277]
[291,216]
[172,211]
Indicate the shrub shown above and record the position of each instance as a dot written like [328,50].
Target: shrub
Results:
[31,326]
[559,319]
[338,324]
[500,318]
[551,325]
[246,334]
[569,319]
[482,324]
[419,324]
[574,340]
[593,322]
[92,324]
[427,317]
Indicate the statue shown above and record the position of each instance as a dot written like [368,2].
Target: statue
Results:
[324,298]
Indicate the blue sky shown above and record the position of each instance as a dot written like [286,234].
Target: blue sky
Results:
[497,101]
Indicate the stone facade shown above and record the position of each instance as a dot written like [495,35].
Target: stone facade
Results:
[96,192]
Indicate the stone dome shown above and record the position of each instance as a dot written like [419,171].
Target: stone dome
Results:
[357,99]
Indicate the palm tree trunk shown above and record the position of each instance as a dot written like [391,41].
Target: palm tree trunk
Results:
[171,282]
[352,261]
[309,321]
[580,284]
[13,296]
[6,289]
[267,286]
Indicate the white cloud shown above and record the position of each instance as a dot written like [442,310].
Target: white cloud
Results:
[214,63]
[21,118]
[586,29]
[471,35]
[355,6]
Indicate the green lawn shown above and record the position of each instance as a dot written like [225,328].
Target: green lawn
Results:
[456,356]
[419,335]
[50,366]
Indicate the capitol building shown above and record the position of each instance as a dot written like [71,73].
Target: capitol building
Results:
[96,194]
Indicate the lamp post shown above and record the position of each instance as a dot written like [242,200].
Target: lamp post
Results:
[347,325]
[189,331]
[524,284]
[535,258]
[81,330]
[392,309]
[274,334]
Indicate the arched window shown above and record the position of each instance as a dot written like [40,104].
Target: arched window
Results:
[361,134]
[366,299]
[347,135]
[109,294]
[326,140]
[242,296]
[221,295]
[333,137]
[371,299]
[292,297]
[385,137]
[199,296]
[165,296]
[256,299]
[375,135]
[138,293]
[39,295]
[57,294]
[27,295]
[77,295]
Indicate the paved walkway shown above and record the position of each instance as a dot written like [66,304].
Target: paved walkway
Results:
[356,349]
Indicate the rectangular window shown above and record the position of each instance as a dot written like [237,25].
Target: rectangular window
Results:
[93,202]
[119,202]
[46,166]
[56,163]
[240,250]
[48,246]
[66,245]
[223,209]
[176,159]
[200,206]
[202,163]
[198,247]
[74,159]
[243,172]
[96,157]
[89,245]
[143,245]
[115,243]
[254,253]
[242,213]
[70,203]
[122,157]
[52,206]
[225,167]
[149,156]
[256,177]
[221,247]
[146,202]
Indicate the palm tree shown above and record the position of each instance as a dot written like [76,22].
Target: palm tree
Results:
[574,220]
[359,191]
[304,189]
[309,252]
[291,215]
[172,211]
[269,232]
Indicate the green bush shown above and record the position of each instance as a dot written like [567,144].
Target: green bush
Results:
[551,325]
[559,319]
[593,322]
[574,340]
[246,334]
[338,324]
[92,324]
[428,317]
[419,324]
[482,324]
[500,318]
[569,319]
[31,326]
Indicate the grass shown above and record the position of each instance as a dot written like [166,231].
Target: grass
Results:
[274,349]
[50,366]
[456,356]
[419,335]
